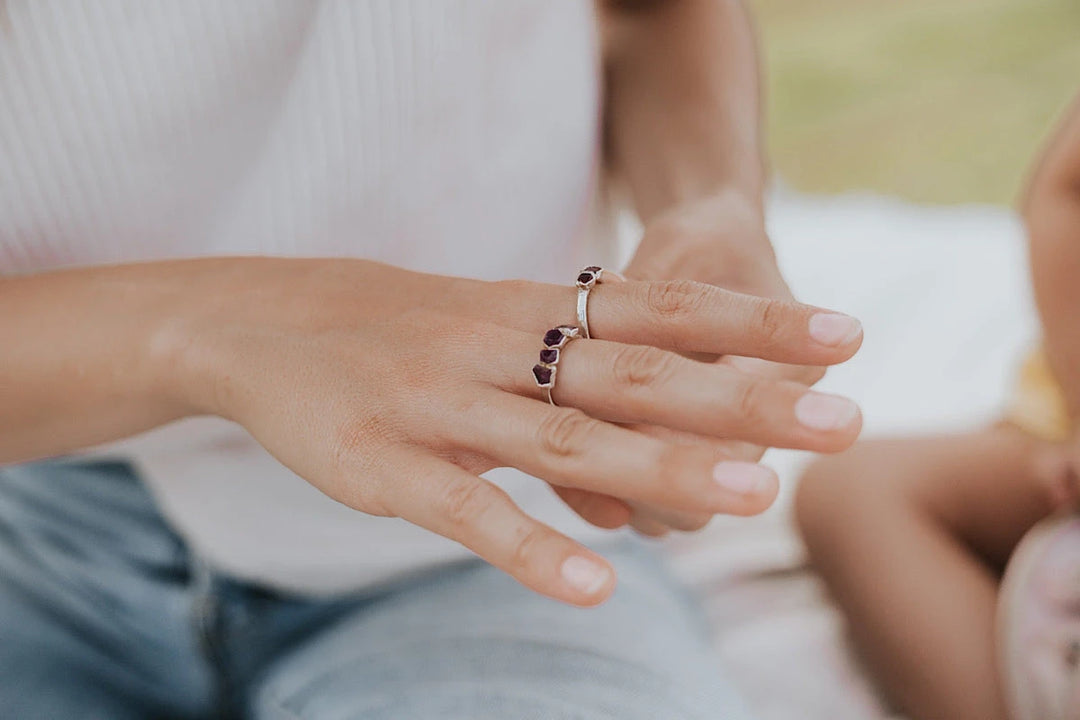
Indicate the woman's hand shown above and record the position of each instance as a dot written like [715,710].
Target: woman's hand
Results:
[391,391]
[718,239]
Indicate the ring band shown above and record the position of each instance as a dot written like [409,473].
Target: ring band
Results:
[586,279]
[545,371]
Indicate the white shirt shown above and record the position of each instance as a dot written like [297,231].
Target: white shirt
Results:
[451,137]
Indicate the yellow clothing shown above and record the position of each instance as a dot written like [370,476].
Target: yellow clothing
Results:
[1038,403]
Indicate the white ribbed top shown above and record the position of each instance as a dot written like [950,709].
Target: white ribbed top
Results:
[448,136]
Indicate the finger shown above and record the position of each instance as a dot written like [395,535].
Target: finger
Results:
[668,520]
[641,384]
[568,448]
[603,511]
[657,522]
[733,449]
[445,499]
[694,317]
[644,525]
[680,315]
[805,374]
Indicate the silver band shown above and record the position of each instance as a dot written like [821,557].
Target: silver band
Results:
[545,371]
[586,279]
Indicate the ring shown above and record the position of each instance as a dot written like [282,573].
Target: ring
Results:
[586,279]
[545,371]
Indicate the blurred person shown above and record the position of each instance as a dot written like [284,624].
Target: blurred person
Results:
[957,558]
[282,279]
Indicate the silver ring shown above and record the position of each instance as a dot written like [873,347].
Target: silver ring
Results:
[555,340]
[586,279]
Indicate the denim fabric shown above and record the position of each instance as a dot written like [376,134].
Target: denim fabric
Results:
[106,615]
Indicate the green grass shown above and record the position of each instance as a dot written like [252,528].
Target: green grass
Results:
[933,100]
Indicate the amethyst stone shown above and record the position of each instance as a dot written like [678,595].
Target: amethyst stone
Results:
[543,375]
[585,278]
[553,337]
[549,356]
[592,269]
[559,336]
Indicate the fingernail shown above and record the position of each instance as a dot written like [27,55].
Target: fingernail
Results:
[585,575]
[834,328]
[741,477]
[824,412]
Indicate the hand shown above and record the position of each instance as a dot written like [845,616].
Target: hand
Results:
[719,240]
[390,391]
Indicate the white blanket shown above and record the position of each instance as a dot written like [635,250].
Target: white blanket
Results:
[943,296]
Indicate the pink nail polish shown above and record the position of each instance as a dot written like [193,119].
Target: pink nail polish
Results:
[834,329]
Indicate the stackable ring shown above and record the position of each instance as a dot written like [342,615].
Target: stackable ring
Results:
[555,340]
[586,279]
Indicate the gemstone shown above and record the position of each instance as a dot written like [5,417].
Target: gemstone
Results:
[585,278]
[553,337]
[592,269]
[543,374]
[549,356]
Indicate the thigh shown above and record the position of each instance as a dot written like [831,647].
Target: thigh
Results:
[93,615]
[472,644]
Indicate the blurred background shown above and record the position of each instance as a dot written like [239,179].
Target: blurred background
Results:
[932,100]
[900,133]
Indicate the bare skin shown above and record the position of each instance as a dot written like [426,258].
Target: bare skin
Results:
[912,534]
[1052,213]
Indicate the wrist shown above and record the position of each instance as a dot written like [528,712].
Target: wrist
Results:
[687,187]
[727,221]
[188,367]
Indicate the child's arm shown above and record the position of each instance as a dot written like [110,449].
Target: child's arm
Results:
[1052,211]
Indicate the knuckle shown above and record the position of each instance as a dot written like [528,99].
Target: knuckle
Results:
[463,405]
[670,469]
[369,496]
[749,396]
[527,547]
[771,318]
[675,298]
[449,345]
[358,481]
[464,503]
[358,439]
[514,288]
[635,366]
[565,433]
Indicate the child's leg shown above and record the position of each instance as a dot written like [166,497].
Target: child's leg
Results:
[910,535]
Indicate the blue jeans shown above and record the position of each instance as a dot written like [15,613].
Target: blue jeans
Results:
[106,615]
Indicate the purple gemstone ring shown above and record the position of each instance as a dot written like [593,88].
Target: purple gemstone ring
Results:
[586,279]
[555,340]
